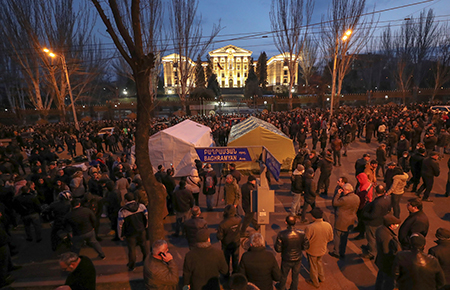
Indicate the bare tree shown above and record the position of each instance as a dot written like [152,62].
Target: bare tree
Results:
[12,84]
[19,28]
[441,67]
[186,33]
[345,33]
[289,20]
[425,30]
[135,32]
[307,60]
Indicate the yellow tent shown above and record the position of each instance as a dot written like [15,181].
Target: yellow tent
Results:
[256,132]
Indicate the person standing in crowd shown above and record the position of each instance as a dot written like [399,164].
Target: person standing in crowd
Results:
[246,191]
[326,166]
[442,142]
[319,234]
[346,204]
[447,186]
[290,243]
[336,146]
[28,207]
[193,225]
[297,189]
[240,282]
[203,264]
[209,185]
[415,270]
[160,270]
[370,171]
[397,189]
[360,164]
[392,140]
[390,172]
[183,202]
[82,222]
[381,159]
[442,251]
[309,189]
[387,247]
[132,224]
[402,146]
[416,162]
[416,222]
[259,265]
[122,186]
[235,173]
[193,183]
[229,235]
[365,193]
[430,169]
[112,202]
[232,191]
[372,216]
[430,141]
[160,174]
[82,274]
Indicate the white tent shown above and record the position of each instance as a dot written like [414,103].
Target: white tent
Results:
[176,145]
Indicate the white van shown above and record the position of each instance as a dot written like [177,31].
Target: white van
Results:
[440,109]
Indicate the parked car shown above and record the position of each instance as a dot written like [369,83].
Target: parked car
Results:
[105,130]
[440,109]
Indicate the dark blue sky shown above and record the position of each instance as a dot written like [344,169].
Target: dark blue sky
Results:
[242,17]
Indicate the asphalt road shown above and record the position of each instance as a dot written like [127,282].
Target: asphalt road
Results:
[41,270]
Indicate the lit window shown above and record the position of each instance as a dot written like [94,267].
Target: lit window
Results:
[216,59]
[238,66]
[238,75]
[222,60]
[245,66]
[223,75]
[238,59]
[285,72]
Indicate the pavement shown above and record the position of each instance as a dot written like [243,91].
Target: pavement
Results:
[41,270]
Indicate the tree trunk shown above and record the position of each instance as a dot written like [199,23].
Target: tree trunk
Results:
[156,193]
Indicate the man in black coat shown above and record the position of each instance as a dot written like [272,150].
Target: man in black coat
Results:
[415,163]
[442,251]
[81,270]
[430,169]
[259,265]
[290,243]
[246,192]
[204,264]
[360,164]
[387,247]
[326,166]
[415,270]
[402,145]
[373,214]
[29,208]
[416,222]
[229,234]
[193,225]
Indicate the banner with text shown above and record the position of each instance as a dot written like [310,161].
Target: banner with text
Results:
[273,165]
[223,154]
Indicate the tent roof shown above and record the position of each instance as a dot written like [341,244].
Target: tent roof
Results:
[188,131]
[251,123]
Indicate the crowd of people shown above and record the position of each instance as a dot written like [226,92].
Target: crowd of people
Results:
[101,181]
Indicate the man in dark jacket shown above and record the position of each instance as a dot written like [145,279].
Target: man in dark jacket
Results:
[290,243]
[430,169]
[259,265]
[81,270]
[326,166]
[183,201]
[415,163]
[209,185]
[82,221]
[372,215]
[160,270]
[29,208]
[442,251]
[246,192]
[360,164]
[416,222]
[309,189]
[297,189]
[193,225]
[229,234]
[381,158]
[387,247]
[402,146]
[415,270]
[336,146]
[203,265]
[132,224]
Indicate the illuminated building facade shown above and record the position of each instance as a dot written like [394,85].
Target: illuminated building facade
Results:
[230,64]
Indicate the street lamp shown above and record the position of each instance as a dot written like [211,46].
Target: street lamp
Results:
[345,37]
[63,60]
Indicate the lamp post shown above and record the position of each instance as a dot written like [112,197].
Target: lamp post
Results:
[63,61]
[333,81]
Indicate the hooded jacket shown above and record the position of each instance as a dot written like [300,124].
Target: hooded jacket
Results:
[297,182]
[365,189]
[398,186]
[132,219]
